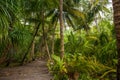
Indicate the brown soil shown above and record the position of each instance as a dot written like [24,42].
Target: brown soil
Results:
[37,70]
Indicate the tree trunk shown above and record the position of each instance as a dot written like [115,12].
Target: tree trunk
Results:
[53,43]
[61,30]
[32,51]
[44,36]
[53,38]
[116,8]
[33,37]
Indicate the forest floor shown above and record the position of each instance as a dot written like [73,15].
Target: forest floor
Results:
[36,70]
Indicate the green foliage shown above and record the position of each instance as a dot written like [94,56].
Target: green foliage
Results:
[78,63]
[89,51]
[57,45]
[58,68]
[91,55]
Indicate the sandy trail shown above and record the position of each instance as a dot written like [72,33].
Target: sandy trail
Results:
[37,70]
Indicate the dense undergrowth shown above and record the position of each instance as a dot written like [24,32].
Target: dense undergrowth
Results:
[30,30]
[88,56]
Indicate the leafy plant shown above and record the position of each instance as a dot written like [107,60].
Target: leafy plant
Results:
[58,68]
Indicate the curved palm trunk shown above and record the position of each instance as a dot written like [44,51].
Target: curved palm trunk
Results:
[33,37]
[61,30]
[116,8]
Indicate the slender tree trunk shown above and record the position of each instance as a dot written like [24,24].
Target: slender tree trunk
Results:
[45,35]
[61,30]
[47,49]
[116,8]
[53,38]
[35,33]
[32,51]
[53,43]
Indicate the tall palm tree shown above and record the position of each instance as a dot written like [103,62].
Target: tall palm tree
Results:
[61,29]
[73,16]
[116,8]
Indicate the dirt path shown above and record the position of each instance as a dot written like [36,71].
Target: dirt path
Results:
[36,70]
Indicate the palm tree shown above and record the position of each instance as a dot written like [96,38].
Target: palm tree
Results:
[116,8]
[7,18]
[61,29]
[74,17]
[38,8]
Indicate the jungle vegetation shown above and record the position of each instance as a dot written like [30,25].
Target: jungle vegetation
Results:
[78,38]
